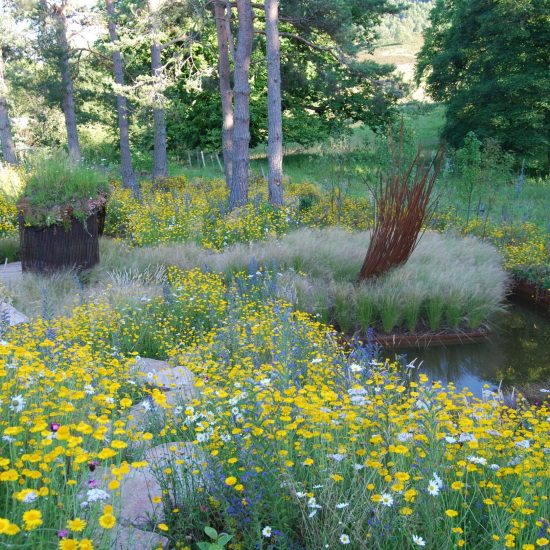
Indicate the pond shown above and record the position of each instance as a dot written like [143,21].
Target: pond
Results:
[516,353]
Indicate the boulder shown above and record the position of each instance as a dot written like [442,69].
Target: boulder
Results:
[11,315]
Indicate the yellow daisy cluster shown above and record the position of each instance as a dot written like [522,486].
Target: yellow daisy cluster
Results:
[287,415]
[9,226]
[183,211]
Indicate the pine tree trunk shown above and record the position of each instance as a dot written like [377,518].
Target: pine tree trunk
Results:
[222,15]
[8,148]
[67,81]
[274,116]
[241,128]
[160,163]
[127,171]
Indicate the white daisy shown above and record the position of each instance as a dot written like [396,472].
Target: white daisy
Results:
[387,500]
[17,403]
[344,539]
[341,505]
[419,541]
[266,531]
[337,456]
[433,488]
[97,494]
[30,497]
[438,480]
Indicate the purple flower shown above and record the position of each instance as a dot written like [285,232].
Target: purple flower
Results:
[63,533]
[54,426]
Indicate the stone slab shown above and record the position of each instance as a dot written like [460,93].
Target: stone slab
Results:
[13,316]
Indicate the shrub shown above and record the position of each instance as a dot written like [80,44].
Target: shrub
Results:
[57,190]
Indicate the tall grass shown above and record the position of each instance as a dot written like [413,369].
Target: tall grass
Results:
[449,282]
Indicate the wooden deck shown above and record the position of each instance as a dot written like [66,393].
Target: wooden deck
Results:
[10,272]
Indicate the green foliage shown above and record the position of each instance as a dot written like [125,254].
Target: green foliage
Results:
[406,27]
[57,190]
[9,249]
[495,83]
[217,540]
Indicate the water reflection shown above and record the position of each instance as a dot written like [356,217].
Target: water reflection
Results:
[517,352]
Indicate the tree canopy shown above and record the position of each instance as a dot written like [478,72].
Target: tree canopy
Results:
[489,60]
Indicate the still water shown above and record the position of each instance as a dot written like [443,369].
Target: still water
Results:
[517,352]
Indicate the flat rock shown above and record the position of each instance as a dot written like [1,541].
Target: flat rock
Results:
[186,460]
[174,378]
[13,316]
[179,380]
[141,415]
[130,538]
[188,452]
[137,491]
[134,506]
[146,369]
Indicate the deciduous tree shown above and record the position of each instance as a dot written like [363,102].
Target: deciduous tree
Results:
[488,60]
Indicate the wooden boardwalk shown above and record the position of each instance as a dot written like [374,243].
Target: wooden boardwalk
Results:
[10,272]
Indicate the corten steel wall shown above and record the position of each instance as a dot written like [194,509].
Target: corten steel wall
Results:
[59,247]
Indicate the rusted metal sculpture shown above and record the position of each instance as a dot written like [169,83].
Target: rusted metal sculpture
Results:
[402,201]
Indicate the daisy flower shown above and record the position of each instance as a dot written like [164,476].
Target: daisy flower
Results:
[344,539]
[433,488]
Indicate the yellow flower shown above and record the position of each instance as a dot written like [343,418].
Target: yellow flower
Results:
[543,541]
[86,544]
[451,513]
[32,519]
[231,480]
[106,453]
[68,544]
[163,526]
[107,521]
[76,525]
